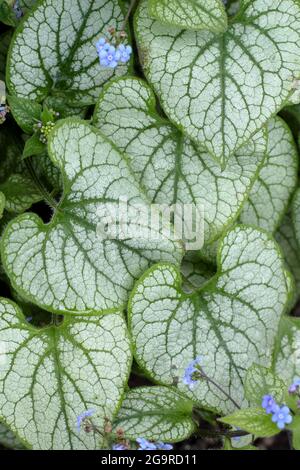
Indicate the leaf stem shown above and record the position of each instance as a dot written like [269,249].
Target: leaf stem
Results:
[131,6]
[46,195]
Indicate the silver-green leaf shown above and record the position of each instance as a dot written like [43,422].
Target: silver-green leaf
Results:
[49,376]
[232,322]
[65,265]
[221,88]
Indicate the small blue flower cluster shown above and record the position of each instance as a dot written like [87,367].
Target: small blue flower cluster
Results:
[144,444]
[192,373]
[281,415]
[110,56]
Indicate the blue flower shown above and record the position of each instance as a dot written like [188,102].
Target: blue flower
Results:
[162,446]
[268,403]
[125,53]
[193,368]
[281,416]
[119,447]
[82,417]
[295,385]
[109,57]
[145,445]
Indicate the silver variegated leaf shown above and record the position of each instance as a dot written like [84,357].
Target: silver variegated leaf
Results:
[232,321]
[156,413]
[190,14]
[53,51]
[221,88]
[168,164]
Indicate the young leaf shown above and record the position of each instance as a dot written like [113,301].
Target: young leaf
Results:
[286,238]
[15,181]
[33,146]
[205,81]
[190,14]
[287,351]
[277,179]
[66,265]
[25,112]
[53,51]
[253,420]
[169,165]
[156,413]
[232,322]
[261,381]
[51,375]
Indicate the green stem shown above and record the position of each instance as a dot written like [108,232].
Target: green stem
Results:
[46,195]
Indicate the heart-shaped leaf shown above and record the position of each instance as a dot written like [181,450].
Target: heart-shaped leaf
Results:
[232,322]
[66,265]
[221,88]
[156,413]
[2,203]
[190,14]
[53,51]
[169,165]
[51,375]
[276,182]
[195,272]
[287,352]
[286,238]
[261,381]
[254,420]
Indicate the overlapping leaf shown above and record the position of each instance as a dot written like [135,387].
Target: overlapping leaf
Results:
[220,89]
[53,51]
[287,353]
[156,413]
[67,265]
[15,181]
[169,165]
[190,14]
[271,192]
[232,322]
[286,238]
[51,375]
